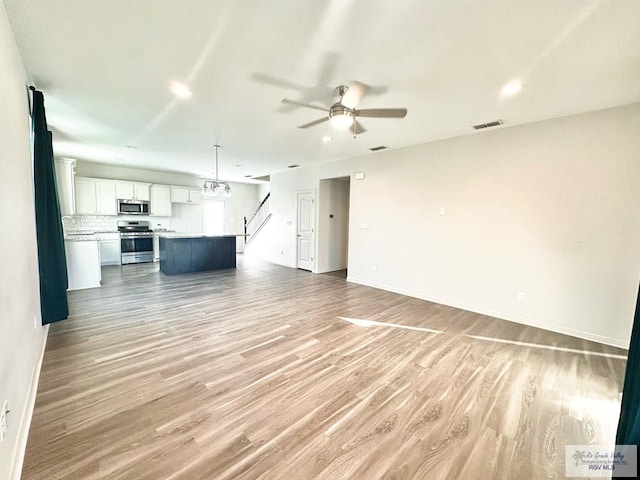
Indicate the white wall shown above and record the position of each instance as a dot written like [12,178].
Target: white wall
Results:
[242,203]
[186,218]
[263,189]
[22,338]
[550,209]
[333,225]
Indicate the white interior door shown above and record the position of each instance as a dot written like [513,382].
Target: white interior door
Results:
[306,230]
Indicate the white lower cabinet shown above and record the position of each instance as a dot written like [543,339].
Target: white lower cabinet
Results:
[156,248]
[109,248]
[83,264]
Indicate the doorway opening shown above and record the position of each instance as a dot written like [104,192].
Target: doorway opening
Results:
[333,226]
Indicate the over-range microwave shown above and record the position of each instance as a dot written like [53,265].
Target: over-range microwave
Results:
[133,207]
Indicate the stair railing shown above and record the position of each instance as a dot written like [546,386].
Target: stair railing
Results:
[258,218]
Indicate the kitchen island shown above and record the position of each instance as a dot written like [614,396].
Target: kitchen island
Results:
[185,253]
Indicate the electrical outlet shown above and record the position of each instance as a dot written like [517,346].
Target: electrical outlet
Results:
[3,422]
[522,296]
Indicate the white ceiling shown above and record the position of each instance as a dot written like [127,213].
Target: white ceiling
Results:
[105,68]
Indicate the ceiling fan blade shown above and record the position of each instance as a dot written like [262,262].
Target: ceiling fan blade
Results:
[275,81]
[382,112]
[315,122]
[302,104]
[357,128]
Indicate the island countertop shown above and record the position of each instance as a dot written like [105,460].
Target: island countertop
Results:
[197,235]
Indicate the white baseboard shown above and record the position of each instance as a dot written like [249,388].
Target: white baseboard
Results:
[27,412]
[333,268]
[615,342]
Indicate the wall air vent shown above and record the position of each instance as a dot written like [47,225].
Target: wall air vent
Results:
[495,123]
[380,147]
[295,165]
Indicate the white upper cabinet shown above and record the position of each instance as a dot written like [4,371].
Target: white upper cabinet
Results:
[195,195]
[95,196]
[186,195]
[179,194]
[124,190]
[99,196]
[86,196]
[65,175]
[106,197]
[132,191]
[160,200]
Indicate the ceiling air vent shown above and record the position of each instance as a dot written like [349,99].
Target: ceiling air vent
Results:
[480,126]
[295,165]
[380,147]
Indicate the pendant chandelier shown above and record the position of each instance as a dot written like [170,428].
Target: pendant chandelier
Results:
[211,187]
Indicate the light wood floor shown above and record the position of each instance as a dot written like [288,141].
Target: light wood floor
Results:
[252,374]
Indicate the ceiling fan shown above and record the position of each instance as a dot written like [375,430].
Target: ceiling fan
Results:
[344,114]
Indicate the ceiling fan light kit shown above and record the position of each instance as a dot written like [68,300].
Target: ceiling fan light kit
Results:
[341,117]
[343,114]
[210,188]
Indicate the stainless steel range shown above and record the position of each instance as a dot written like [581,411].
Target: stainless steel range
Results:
[136,242]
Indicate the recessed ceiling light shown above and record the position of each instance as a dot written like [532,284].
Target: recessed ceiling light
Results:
[511,88]
[132,147]
[180,90]
[295,165]
[326,139]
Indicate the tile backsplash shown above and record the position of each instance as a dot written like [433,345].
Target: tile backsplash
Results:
[108,223]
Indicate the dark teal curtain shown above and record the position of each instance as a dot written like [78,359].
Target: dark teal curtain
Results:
[51,257]
[629,425]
